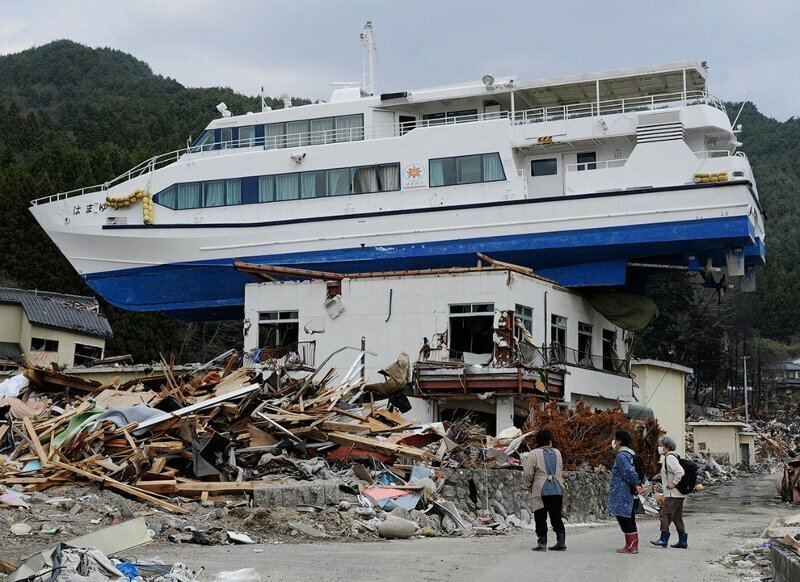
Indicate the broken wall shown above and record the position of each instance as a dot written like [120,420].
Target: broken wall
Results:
[501,493]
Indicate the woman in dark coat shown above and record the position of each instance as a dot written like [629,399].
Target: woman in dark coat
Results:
[624,484]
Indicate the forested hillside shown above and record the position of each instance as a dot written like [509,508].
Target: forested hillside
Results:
[72,116]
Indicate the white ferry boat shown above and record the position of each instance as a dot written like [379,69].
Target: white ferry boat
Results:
[591,180]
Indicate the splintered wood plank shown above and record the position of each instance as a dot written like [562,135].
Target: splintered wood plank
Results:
[158,465]
[37,445]
[193,488]
[333,425]
[129,489]
[384,447]
[162,486]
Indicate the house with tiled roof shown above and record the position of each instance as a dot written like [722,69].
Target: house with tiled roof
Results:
[47,327]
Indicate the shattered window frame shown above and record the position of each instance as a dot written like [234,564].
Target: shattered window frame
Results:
[40,344]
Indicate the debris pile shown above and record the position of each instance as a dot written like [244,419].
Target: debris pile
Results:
[584,436]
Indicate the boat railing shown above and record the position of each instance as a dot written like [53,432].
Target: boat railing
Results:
[599,165]
[350,134]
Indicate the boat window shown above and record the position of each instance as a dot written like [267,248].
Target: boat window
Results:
[587,161]
[188,196]
[214,193]
[312,185]
[297,134]
[339,182]
[466,170]
[266,189]
[226,137]
[545,167]
[167,198]
[280,187]
[287,187]
[449,117]
[323,131]
[204,143]
[233,192]
[247,136]
[349,128]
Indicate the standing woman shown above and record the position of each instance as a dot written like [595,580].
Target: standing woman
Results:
[544,479]
[624,485]
[672,512]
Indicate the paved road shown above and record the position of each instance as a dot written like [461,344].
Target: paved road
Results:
[717,520]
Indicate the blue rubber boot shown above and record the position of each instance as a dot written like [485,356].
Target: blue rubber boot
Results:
[662,541]
[682,541]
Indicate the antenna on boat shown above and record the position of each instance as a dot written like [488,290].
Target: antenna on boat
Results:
[746,97]
[367,59]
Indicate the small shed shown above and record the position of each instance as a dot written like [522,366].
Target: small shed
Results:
[728,442]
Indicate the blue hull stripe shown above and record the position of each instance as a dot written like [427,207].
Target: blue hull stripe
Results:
[574,258]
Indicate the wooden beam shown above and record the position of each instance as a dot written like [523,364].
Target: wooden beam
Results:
[384,447]
[196,488]
[37,445]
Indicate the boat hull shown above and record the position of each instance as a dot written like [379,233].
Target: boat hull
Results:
[186,270]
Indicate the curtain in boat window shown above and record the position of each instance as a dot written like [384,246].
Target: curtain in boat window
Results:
[365,180]
[287,187]
[214,193]
[308,185]
[274,135]
[167,197]
[443,172]
[266,189]
[390,177]
[188,196]
[233,191]
[349,128]
[338,182]
[297,133]
[323,130]
[492,168]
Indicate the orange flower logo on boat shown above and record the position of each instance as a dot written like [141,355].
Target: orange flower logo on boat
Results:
[413,172]
[413,175]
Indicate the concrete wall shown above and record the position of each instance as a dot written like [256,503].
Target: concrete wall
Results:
[395,313]
[65,356]
[501,494]
[720,440]
[10,323]
[663,389]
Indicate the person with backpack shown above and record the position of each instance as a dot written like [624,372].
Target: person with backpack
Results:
[543,477]
[672,472]
[625,486]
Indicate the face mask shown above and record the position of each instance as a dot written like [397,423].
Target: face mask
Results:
[662,451]
[613,444]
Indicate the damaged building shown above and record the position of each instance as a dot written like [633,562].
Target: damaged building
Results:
[484,339]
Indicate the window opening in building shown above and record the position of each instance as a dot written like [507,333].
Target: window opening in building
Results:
[585,345]
[39,344]
[523,316]
[545,167]
[471,332]
[277,332]
[85,354]
[610,358]
[558,335]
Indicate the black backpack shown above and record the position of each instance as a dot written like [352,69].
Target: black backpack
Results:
[689,480]
[638,466]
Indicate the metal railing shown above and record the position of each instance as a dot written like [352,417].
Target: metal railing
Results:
[558,353]
[306,352]
[600,165]
[323,137]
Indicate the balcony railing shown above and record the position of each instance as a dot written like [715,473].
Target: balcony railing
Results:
[342,135]
[572,357]
[601,165]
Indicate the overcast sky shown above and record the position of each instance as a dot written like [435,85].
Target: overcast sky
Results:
[300,46]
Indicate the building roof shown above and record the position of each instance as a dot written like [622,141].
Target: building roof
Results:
[717,423]
[660,364]
[70,312]
[10,352]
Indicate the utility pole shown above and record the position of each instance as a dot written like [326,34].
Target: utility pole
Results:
[746,406]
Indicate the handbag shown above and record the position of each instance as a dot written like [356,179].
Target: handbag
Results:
[638,508]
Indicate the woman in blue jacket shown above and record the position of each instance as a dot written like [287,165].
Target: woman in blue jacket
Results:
[624,487]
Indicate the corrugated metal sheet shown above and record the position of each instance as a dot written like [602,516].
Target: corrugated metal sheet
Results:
[59,311]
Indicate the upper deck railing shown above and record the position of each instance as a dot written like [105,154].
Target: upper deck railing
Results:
[343,135]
